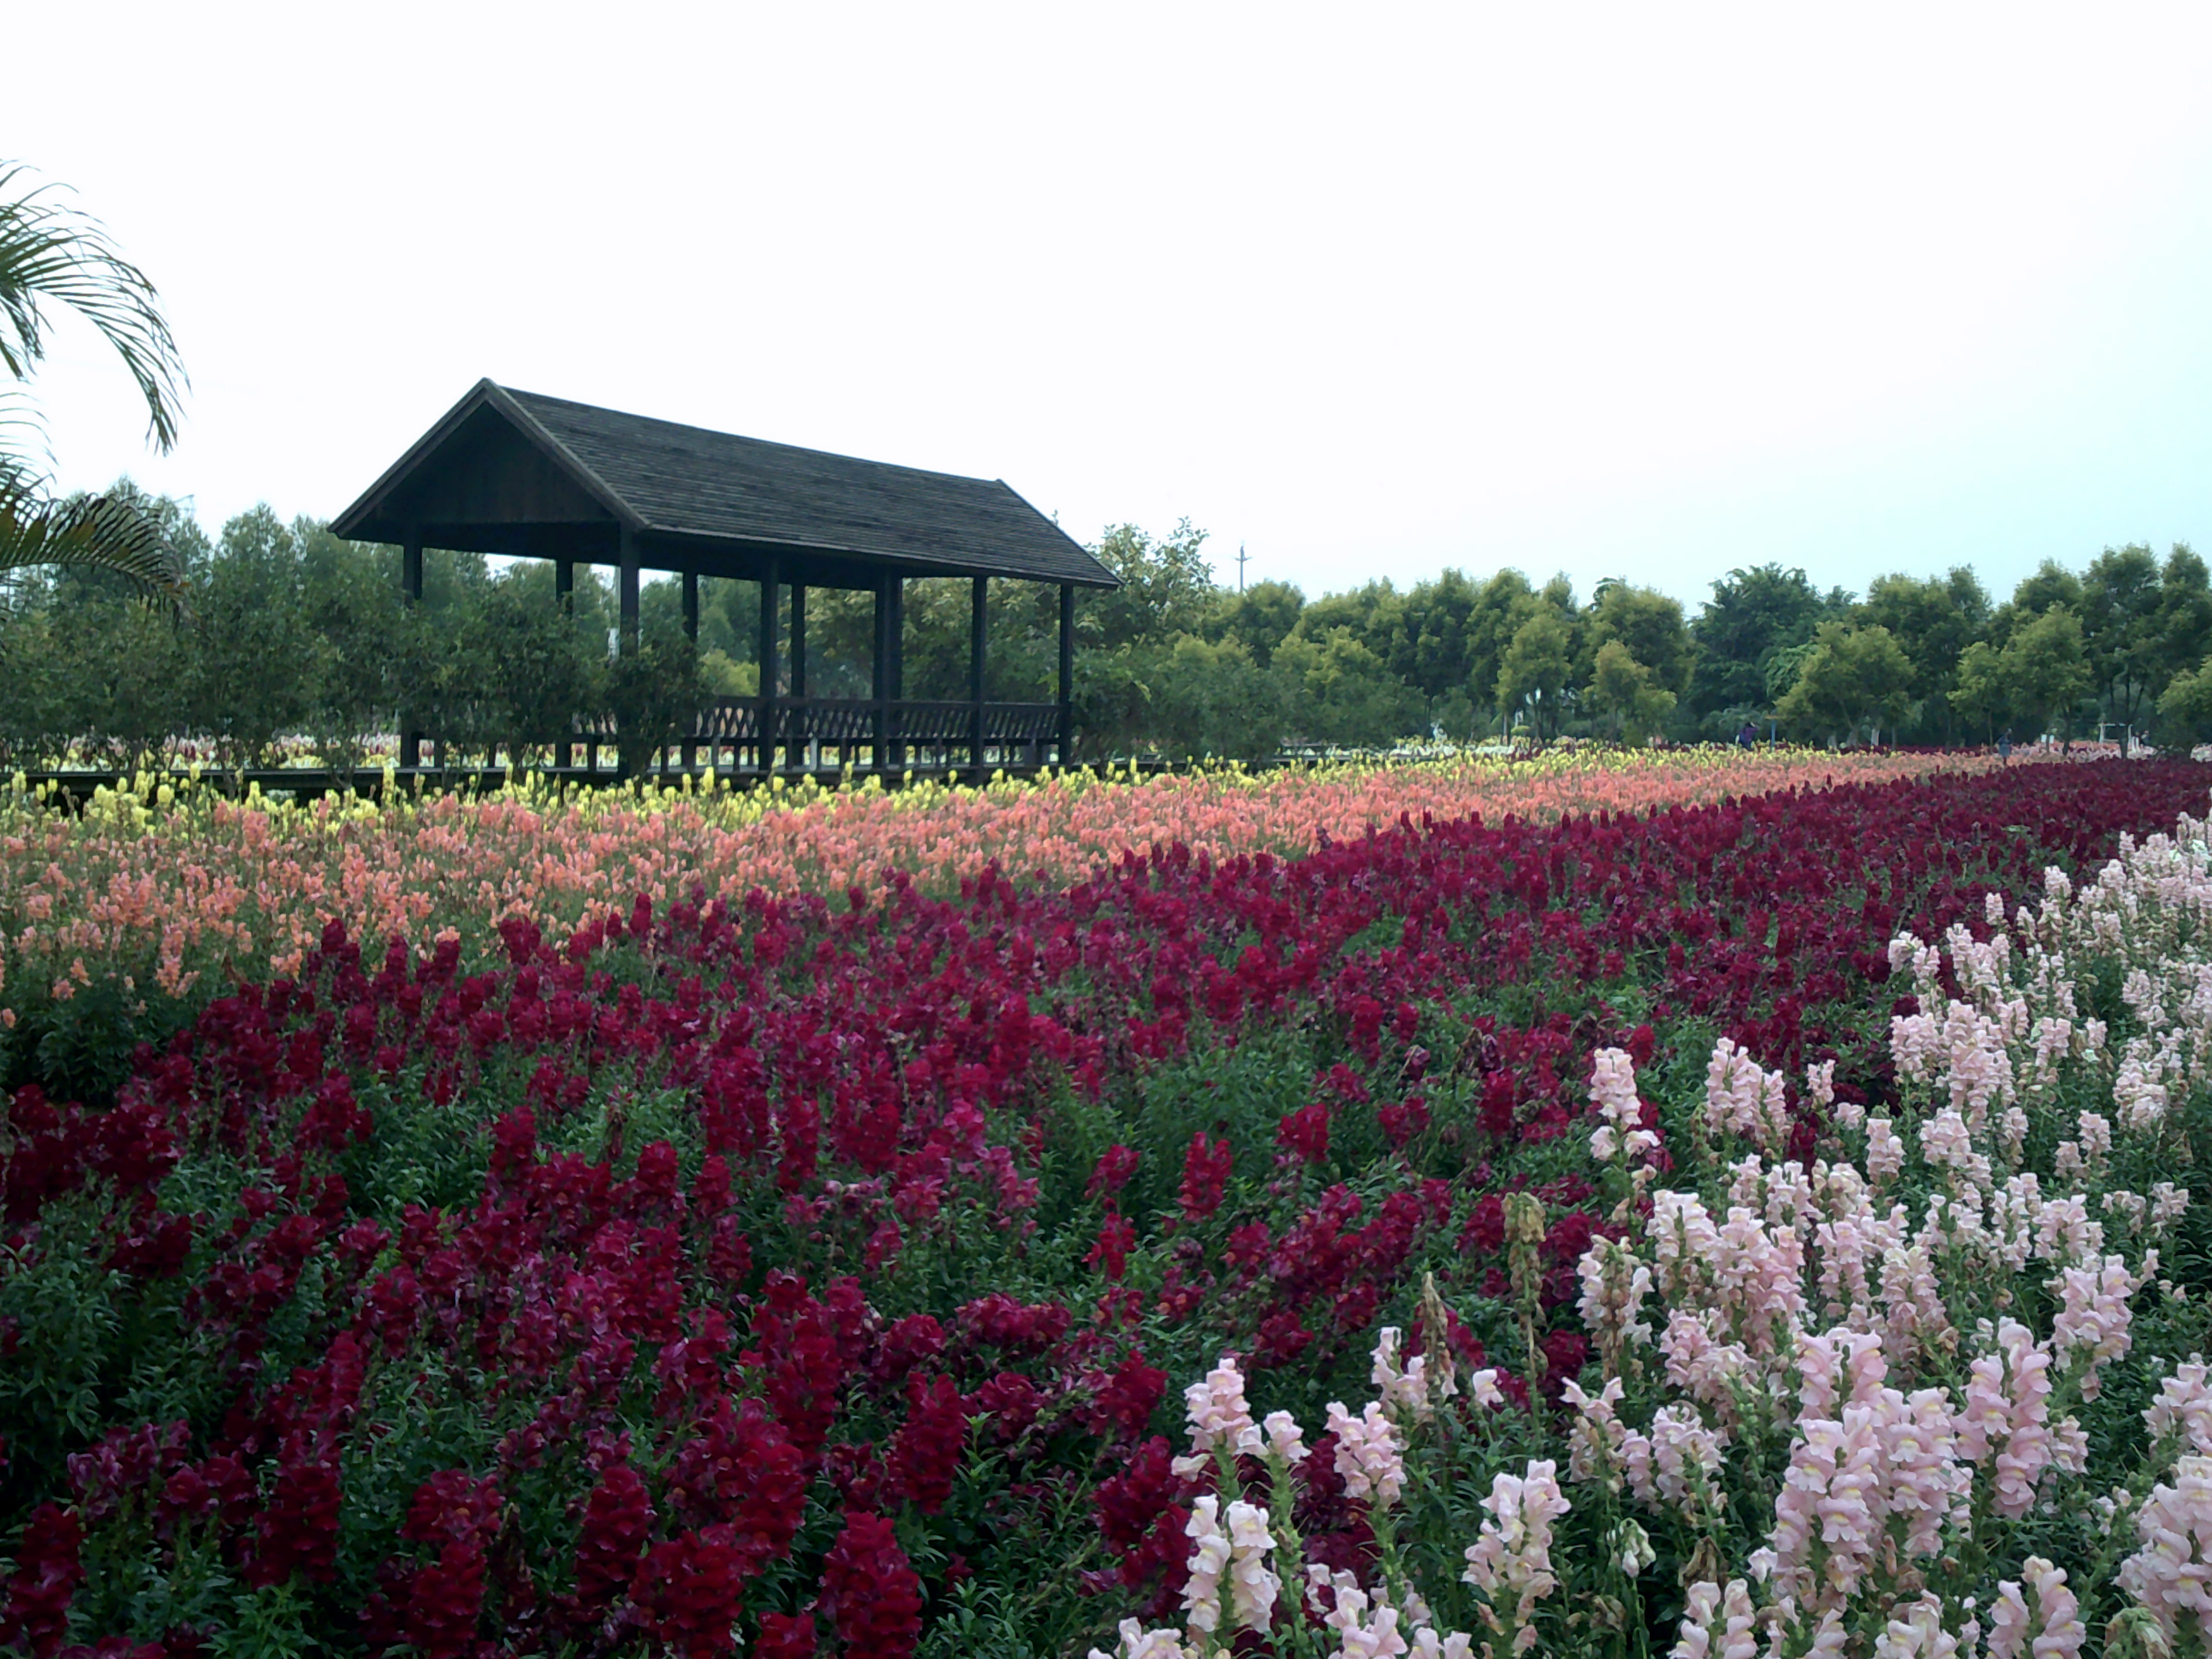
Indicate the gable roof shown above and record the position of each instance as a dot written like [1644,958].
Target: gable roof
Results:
[663,479]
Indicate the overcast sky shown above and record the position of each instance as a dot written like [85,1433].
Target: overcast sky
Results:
[1640,291]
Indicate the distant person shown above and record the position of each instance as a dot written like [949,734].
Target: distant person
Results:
[1746,736]
[2004,747]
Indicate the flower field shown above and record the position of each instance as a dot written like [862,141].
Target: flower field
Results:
[680,1227]
[168,892]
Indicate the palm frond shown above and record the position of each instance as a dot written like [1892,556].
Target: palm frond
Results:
[50,251]
[97,532]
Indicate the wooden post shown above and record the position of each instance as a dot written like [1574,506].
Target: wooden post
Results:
[564,602]
[801,747]
[771,603]
[411,595]
[628,584]
[978,641]
[1066,673]
[894,656]
[692,633]
[879,673]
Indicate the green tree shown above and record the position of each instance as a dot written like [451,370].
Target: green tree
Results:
[53,255]
[1167,587]
[253,653]
[2121,634]
[1982,695]
[1934,619]
[1260,618]
[1212,698]
[1537,667]
[653,693]
[1431,645]
[1625,689]
[1752,615]
[1650,626]
[2047,670]
[1501,605]
[533,671]
[1850,677]
[1344,695]
[2185,617]
[2185,708]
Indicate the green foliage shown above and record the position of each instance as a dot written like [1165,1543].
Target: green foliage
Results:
[1851,676]
[1933,619]
[1752,615]
[1537,667]
[1625,689]
[653,692]
[1342,694]
[1650,626]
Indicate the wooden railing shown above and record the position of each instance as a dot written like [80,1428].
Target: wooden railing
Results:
[829,733]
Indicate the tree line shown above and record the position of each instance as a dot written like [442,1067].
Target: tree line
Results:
[288,632]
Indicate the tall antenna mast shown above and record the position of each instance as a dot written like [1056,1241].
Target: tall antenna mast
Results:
[1240,567]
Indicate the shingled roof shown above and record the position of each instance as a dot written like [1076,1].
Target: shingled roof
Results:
[686,486]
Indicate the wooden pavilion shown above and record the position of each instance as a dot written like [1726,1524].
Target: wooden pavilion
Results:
[514,473]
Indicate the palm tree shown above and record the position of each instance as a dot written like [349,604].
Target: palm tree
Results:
[52,254]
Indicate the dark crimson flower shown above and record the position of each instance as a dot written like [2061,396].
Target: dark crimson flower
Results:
[618,1521]
[785,1636]
[444,1600]
[1205,1174]
[1127,1395]
[926,1453]
[46,1579]
[297,1530]
[1112,1171]
[1110,1255]
[690,1590]
[1304,1134]
[870,1590]
[1485,1233]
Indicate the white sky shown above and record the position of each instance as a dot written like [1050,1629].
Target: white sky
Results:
[1636,290]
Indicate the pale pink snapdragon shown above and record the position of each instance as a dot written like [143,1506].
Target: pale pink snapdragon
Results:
[1917,1320]
[1889,1458]
[2054,1629]
[1613,1096]
[1683,1238]
[1597,1439]
[1700,1364]
[1209,1560]
[1760,1278]
[1218,1417]
[2185,1404]
[1745,1100]
[1946,1142]
[2172,1573]
[1615,1282]
[1137,1642]
[1916,1631]
[1369,1456]
[1286,1441]
[1885,1153]
[1708,1603]
[1364,1629]
[1838,1364]
[1510,1561]
[1451,1644]
[2006,1419]
[1675,1463]
[1405,1386]
[2096,1315]
[1253,1585]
